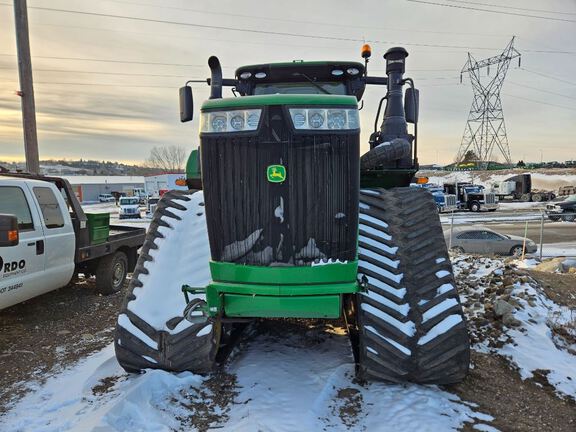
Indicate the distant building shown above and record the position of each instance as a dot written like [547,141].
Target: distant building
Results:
[87,188]
[156,185]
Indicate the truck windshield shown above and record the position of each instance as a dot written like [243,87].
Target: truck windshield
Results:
[337,88]
[128,201]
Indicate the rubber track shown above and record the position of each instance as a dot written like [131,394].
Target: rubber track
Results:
[410,320]
[175,352]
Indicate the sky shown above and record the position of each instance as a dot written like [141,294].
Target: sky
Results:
[106,87]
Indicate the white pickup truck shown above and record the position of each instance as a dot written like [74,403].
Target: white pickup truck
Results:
[45,238]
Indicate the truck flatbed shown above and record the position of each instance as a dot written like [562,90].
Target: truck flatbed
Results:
[120,237]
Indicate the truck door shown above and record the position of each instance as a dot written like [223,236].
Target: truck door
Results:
[59,233]
[21,266]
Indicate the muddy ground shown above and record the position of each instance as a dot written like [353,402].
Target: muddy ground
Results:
[40,337]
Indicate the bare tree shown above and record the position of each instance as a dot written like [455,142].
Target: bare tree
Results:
[169,158]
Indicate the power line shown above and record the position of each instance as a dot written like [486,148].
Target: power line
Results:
[111,61]
[296,21]
[179,36]
[543,91]
[492,11]
[164,64]
[101,84]
[548,76]
[276,33]
[539,102]
[103,73]
[511,7]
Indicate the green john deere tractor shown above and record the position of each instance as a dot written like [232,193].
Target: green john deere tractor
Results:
[287,220]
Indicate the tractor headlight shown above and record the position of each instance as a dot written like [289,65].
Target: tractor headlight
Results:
[325,118]
[230,121]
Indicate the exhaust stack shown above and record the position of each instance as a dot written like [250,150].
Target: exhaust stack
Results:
[216,78]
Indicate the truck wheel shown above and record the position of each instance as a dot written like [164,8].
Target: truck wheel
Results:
[475,206]
[525,197]
[537,197]
[410,320]
[111,273]
[569,218]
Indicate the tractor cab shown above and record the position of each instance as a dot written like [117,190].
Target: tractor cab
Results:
[299,77]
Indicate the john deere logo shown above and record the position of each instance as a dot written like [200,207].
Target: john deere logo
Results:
[276,173]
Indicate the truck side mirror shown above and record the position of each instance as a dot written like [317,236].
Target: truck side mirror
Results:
[186,104]
[411,105]
[8,230]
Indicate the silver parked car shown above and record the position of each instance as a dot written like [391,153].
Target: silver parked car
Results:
[481,240]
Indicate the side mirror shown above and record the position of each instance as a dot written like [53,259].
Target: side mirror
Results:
[8,230]
[411,105]
[186,104]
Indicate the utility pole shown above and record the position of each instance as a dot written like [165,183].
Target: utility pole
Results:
[26,92]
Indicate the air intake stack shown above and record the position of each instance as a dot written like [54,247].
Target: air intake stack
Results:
[392,147]
[394,123]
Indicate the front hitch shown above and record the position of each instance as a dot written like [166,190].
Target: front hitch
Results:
[196,311]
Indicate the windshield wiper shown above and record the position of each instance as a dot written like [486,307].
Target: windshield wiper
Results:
[314,83]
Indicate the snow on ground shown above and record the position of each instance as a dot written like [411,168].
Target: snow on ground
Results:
[113,209]
[484,218]
[504,205]
[540,180]
[530,344]
[301,382]
[291,386]
[567,249]
[534,346]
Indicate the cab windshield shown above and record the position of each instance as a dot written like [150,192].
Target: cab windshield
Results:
[336,88]
[128,201]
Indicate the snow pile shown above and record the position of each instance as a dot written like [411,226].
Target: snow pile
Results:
[540,180]
[509,314]
[182,258]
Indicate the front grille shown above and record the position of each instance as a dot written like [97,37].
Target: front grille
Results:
[489,198]
[312,215]
[450,200]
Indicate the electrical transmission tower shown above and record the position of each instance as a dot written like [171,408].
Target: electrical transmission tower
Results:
[485,128]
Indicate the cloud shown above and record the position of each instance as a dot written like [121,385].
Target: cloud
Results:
[123,122]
